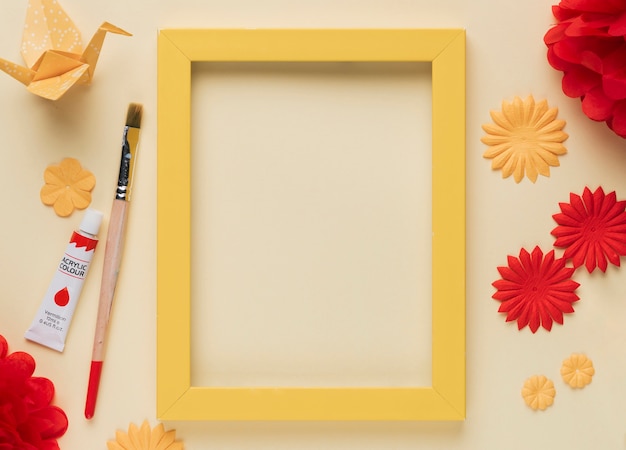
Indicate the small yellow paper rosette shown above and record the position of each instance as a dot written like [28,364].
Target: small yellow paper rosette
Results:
[525,138]
[538,392]
[68,187]
[145,438]
[577,370]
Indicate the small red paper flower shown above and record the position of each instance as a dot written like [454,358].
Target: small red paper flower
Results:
[592,229]
[27,419]
[535,290]
[587,45]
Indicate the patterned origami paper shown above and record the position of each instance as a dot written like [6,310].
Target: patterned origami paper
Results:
[53,51]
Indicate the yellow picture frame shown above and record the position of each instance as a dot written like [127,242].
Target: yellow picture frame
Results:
[177,398]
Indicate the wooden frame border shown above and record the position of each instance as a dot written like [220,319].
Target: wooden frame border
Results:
[177,399]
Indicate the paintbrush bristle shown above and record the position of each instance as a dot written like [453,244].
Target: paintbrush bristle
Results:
[133,117]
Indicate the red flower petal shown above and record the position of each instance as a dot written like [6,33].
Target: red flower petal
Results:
[51,422]
[603,6]
[578,81]
[588,45]
[505,295]
[534,320]
[617,123]
[597,106]
[618,27]
[508,274]
[577,202]
[555,34]
[559,63]
[505,285]
[40,392]
[4,347]
[614,85]
[555,313]
[541,291]
[600,235]
[565,240]
[516,266]
[19,364]
[546,320]
[27,419]
[562,14]
[565,220]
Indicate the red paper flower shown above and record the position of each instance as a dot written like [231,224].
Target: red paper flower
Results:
[27,420]
[587,45]
[535,290]
[592,229]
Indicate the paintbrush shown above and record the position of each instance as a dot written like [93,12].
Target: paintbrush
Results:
[113,250]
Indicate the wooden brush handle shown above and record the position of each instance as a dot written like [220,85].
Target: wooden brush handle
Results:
[110,270]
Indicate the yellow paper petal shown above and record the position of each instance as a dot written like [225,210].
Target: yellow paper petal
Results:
[548,117]
[577,370]
[525,139]
[540,165]
[84,181]
[553,147]
[146,438]
[67,186]
[548,157]
[80,199]
[509,167]
[554,125]
[54,175]
[496,130]
[494,139]
[538,392]
[518,169]
[495,150]
[64,206]
[500,160]
[123,439]
[541,107]
[50,193]
[500,120]
[531,170]
[112,445]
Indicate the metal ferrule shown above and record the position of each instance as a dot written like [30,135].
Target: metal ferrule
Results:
[130,141]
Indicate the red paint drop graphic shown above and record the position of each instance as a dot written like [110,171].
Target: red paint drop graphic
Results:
[62,297]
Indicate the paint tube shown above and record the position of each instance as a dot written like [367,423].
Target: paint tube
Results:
[54,316]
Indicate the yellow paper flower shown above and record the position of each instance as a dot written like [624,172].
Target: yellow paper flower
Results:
[538,392]
[577,370]
[68,187]
[525,138]
[145,438]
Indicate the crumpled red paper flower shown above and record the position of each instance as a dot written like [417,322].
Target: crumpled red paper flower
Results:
[588,45]
[535,290]
[592,229]
[27,419]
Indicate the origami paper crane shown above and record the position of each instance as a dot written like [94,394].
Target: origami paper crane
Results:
[53,51]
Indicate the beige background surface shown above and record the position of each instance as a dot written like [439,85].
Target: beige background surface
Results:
[505,57]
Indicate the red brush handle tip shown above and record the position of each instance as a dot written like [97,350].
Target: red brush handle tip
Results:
[92,388]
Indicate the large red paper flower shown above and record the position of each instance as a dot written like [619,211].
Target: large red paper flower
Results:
[535,290]
[27,419]
[592,229]
[587,45]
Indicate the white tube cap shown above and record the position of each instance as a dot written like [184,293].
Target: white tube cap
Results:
[91,221]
